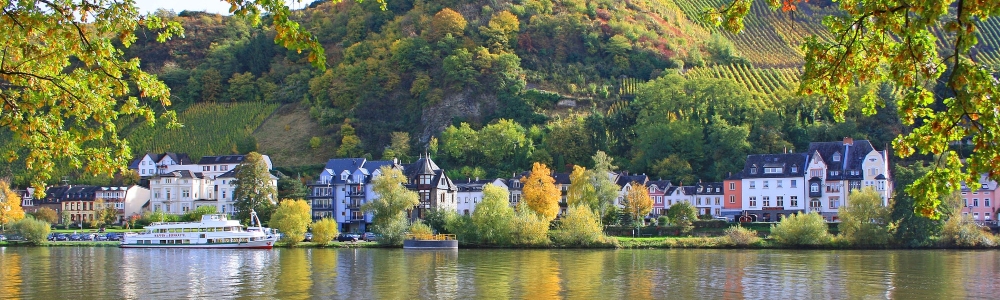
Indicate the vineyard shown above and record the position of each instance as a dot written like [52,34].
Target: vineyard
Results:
[209,129]
[765,84]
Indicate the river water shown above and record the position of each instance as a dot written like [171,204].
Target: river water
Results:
[112,273]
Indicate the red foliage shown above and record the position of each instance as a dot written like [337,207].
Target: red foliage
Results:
[789,5]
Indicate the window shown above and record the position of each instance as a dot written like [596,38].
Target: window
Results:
[732,199]
[965,202]
[795,168]
[343,177]
[168,194]
[186,194]
[753,201]
[975,216]
[767,201]
[814,187]
[986,217]
[753,169]
[717,200]
[834,202]
[834,173]
[168,180]
[223,168]
[872,172]
[772,170]
[753,184]
[223,194]
[659,200]
[699,200]
[794,201]
[780,201]
[975,202]
[986,202]
[816,173]
[836,156]
[778,184]
[765,184]
[815,204]
[794,185]
[732,186]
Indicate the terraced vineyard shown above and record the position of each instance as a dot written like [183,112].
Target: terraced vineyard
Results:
[209,129]
[765,84]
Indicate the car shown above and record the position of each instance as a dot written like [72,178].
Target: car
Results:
[3,238]
[62,237]
[308,237]
[370,237]
[101,237]
[347,237]
[114,236]
[52,236]
[75,237]
[87,237]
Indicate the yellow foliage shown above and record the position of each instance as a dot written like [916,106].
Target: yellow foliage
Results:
[324,231]
[292,218]
[10,205]
[540,192]
[637,201]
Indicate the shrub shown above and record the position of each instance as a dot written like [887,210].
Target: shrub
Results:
[292,218]
[392,230]
[529,228]
[864,220]
[579,227]
[961,231]
[662,221]
[801,230]
[34,231]
[421,230]
[740,236]
[324,231]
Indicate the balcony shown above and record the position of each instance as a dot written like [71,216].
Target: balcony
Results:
[355,193]
[355,205]
[357,217]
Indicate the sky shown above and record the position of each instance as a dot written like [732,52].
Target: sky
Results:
[211,6]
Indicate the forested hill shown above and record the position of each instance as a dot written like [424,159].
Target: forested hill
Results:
[483,82]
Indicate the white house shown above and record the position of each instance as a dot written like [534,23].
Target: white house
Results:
[470,193]
[773,185]
[182,188]
[151,164]
[837,168]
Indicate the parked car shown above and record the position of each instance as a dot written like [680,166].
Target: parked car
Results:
[52,236]
[62,237]
[370,237]
[308,237]
[75,237]
[114,236]
[101,237]
[347,237]
[87,237]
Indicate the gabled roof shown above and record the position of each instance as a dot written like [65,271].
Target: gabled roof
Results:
[709,188]
[183,174]
[624,179]
[72,192]
[221,159]
[179,158]
[852,154]
[784,161]
[660,184]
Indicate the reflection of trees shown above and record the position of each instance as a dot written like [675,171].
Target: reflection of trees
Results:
[582,273]
[912,269]
[323,263]
[439,265]
[294,281]
[10,274]
[538,275]
[390,275]
[492,272]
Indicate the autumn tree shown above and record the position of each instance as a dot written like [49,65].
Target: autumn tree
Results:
[253,190]
[637,203]
[324,231]
[292,218]
[47,214]
[540,192]
[947,96]
[581,191]
[581,226]
[399,146]
[493,218]
[389,209]
[448,21]
[350,144]
[66,84]
[10,205]
[864,221]
[501,31]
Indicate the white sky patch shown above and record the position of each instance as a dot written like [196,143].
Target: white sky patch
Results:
[209,6]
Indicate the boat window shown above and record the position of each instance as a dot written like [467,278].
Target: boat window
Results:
[210,241]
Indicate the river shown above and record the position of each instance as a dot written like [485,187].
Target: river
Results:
[112,273]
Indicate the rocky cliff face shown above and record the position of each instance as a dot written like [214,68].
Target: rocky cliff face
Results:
[466,105]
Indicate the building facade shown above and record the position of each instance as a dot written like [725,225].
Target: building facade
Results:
[773,186]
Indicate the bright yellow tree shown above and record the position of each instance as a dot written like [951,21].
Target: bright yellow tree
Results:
[292,218]
[581,190]
[324,231]
[10,205]
[637,202]
[540,192]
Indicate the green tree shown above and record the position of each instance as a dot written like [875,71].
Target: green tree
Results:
[291,188]
[324,231]
[801,230]
[243,87]
[460,143]
[946,95]
[493,218]
[252,189]
[34,231]
[104,213]
[682,214]
[913,230]
[581,191]
[501,31]
[292,219]
[458,70]
[864,221]
[388,210]
[196,214]
[69,84]
[46,214]
[498,140]
[350,144]
[529,228]
[581,226]
[570,139]
[540,192]
[315,142]
[399,146]
[211,85]
[600,178]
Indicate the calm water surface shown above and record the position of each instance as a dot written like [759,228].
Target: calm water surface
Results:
[112,273]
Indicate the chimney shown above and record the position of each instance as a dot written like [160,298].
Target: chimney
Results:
[848,141]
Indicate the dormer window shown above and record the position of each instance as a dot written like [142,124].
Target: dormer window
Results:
[753,169]
[772,170]
[343,177]
[836,156]
[795,168]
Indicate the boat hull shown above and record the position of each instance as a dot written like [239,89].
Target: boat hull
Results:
[266,244]
[430,244]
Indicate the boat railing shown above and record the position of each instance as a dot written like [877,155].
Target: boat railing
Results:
[430,237]
[168,223]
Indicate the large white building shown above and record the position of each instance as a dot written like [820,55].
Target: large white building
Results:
[837,168]
[773,185]
[180,188]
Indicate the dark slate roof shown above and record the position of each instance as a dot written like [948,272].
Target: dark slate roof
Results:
[670,190]
[424,165]
[229,174]
[561,178]
[660,184]
[852,156]
[183,174]
[785,161]
[470,185]
[221,160]
[626,179]
[709,188]
[72,193]
[689,190]
[179,158]
[735,176]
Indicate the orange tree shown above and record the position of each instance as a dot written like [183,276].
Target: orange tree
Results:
[637,202]
[946,96]
[540,192]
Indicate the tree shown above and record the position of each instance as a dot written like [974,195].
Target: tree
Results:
[324,231]
[912,228]
[211,85]
[493,217]
[243,87]
[388,210]
[292,219]
[498,140]
[801,230]
[104,213]
[34,231]
[47,214]
[501,31]
[399,146]
[10,205]
[350,144]
[607,191]
[529,228]
[253,190]
[291,188]
[682,214]
[581,226]
[67,83]
[540,192]
[448,21]
[637,203]
[196,214]
[948,97]
[581,191]
[864,221]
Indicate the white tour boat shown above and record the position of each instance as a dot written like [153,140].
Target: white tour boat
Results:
[214,231]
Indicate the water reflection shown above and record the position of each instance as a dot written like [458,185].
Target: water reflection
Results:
[53,273]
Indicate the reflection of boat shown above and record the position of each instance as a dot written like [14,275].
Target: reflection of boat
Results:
[214,231]
[430,241]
